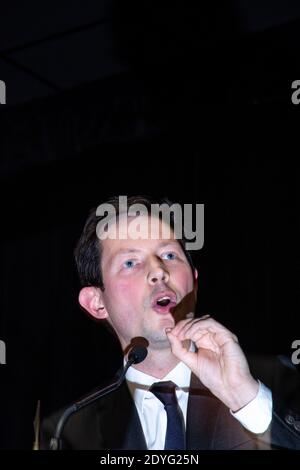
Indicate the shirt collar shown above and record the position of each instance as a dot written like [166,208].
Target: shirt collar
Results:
[139,382]
[180,375]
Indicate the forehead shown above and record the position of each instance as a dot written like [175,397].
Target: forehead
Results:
[141,232]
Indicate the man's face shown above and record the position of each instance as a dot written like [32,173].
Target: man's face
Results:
[149,285]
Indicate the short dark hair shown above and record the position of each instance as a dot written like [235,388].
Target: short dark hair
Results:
[88,251]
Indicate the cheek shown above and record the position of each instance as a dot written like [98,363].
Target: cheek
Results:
[121,301]
[185,279]
[125,289]
[123,293]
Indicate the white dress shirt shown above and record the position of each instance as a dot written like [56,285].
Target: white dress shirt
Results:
[255,416]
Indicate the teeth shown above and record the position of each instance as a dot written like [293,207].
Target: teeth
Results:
[163,298]
[163,301]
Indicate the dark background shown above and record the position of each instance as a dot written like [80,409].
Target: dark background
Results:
[103,98]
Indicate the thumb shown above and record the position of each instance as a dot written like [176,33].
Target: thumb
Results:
[189,358]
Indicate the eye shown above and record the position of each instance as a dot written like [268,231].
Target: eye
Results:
[169,255]
[128,264]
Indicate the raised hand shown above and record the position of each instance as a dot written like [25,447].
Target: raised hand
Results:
[219,361]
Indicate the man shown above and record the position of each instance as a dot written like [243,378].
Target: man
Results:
[145,288]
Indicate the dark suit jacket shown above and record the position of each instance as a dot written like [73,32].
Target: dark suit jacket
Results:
[113,423]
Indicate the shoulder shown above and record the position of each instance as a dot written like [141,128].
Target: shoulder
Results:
[282,377]
[73,437]
[94,426]
[279,374]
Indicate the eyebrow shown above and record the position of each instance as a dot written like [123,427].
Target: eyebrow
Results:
[135,250]
[126,250]
[167,243]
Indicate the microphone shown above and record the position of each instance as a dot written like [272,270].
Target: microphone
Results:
[136,355]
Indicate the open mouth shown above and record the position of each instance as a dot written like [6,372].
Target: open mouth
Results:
[164,302]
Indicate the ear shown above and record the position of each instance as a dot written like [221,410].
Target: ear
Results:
[90,298]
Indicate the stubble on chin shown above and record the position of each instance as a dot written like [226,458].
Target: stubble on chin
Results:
[158,339]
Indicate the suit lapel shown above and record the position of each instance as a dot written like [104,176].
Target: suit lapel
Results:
[202,414]
[120,427]
[119,423]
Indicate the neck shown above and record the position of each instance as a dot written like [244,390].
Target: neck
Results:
[158,363]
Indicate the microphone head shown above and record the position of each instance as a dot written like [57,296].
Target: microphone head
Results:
[137,354]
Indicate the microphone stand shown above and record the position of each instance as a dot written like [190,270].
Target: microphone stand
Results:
[133,357]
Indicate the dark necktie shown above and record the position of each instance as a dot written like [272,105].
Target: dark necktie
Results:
[175,435]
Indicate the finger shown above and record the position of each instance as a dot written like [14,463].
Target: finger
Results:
[208,324]
[212,338]
[187,357]
[181,325]
[195,325]
[206,340]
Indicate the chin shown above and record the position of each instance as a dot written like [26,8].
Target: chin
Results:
[158,340]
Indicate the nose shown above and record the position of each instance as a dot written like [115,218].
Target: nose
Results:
[157,272]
